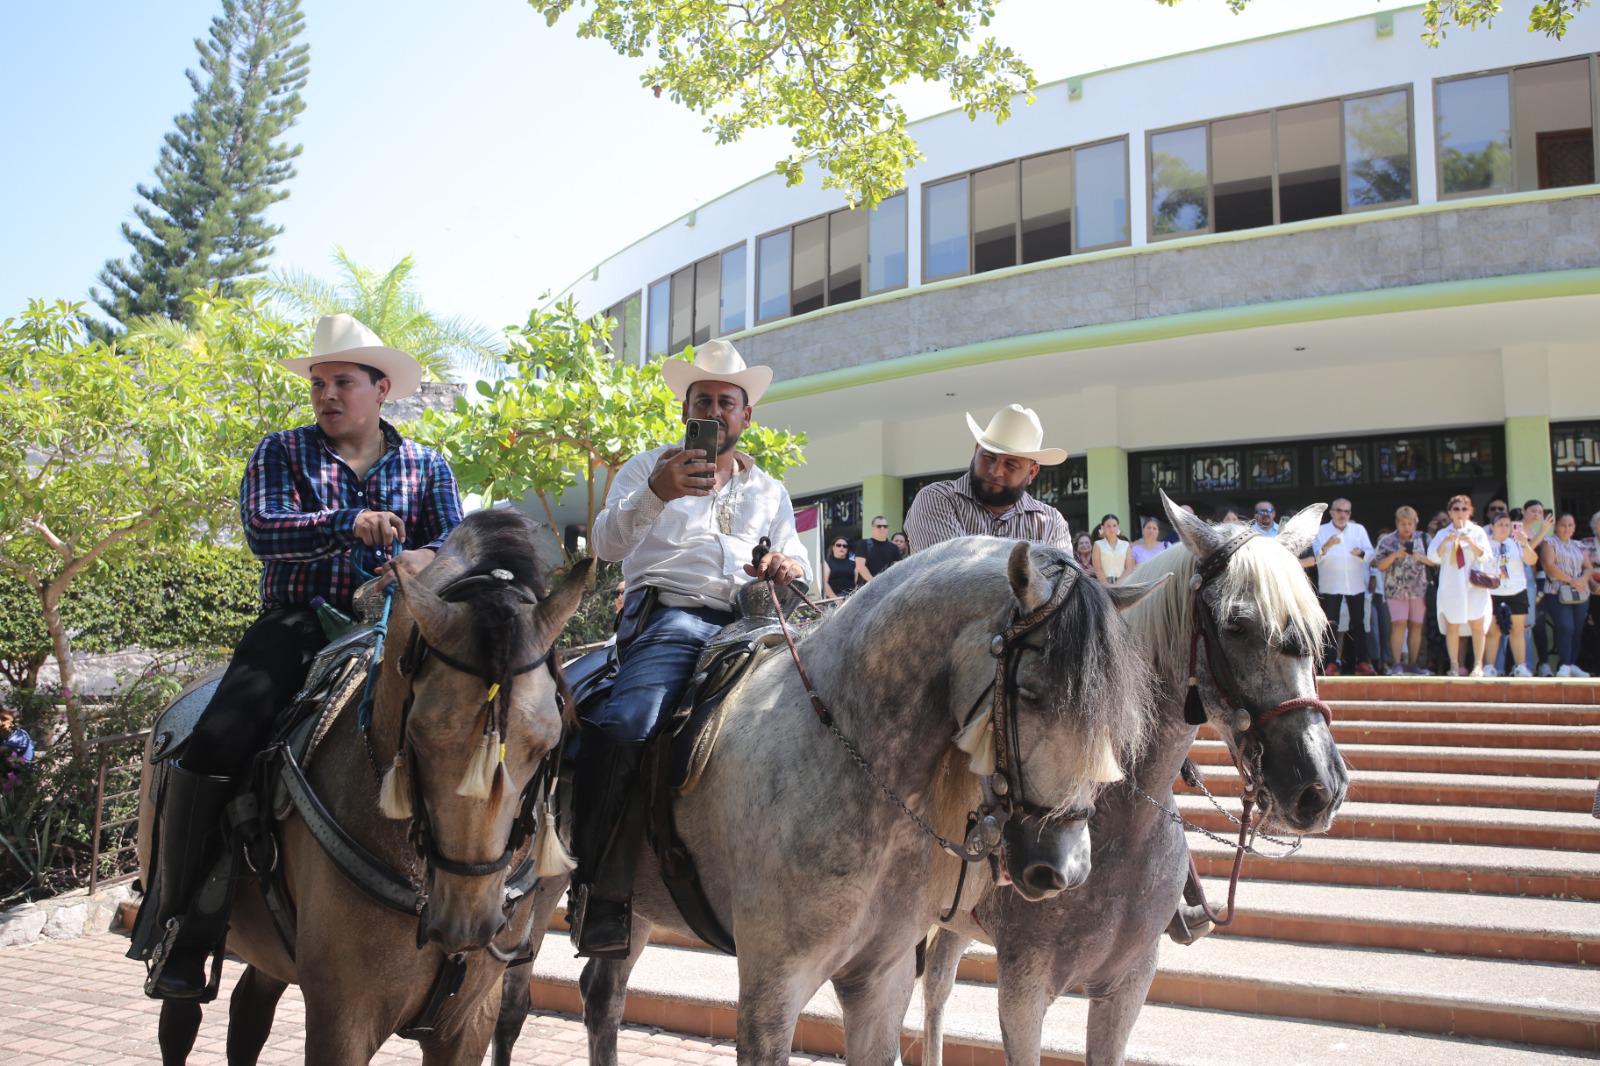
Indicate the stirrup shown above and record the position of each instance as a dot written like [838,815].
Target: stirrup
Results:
[1189,923]
[161,954]
[584,937]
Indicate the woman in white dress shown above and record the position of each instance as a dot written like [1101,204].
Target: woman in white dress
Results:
[1456,548]
[1110,551]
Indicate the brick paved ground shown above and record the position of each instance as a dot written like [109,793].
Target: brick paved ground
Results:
[78,1001]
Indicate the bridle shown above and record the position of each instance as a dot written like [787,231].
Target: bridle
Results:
[1249,721]
[496,708]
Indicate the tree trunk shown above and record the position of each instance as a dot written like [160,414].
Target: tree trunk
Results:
[61,645]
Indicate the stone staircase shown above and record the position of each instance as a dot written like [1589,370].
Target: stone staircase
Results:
[1449,918]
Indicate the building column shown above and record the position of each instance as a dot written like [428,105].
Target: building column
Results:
[882,494]
[1530,473]
[1108,485]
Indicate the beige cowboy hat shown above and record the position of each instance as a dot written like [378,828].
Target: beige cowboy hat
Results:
[1015,430]
[716,361]
[341,339]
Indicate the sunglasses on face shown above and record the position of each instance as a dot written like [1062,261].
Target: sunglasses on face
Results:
[841,544]
[1453,510]
[1264,510]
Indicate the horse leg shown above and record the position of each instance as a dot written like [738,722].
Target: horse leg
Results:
[179,1025]
[1111,1016]
[772,992]
[250,1011]
[604,988]
[516,1001]
[938,978]
[341,1034]
[464,1046]
[1022,1006]
[875,1009]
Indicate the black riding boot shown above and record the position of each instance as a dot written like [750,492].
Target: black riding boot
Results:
[190,836]
[1190,923]
[606,833]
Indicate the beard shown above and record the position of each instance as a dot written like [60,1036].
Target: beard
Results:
[727,440]
[992,495]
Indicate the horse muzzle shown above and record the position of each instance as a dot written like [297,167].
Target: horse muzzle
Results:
[1046,856]
[1303,776]
[460,921]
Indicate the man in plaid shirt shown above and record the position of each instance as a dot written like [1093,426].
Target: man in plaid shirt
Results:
[325,507]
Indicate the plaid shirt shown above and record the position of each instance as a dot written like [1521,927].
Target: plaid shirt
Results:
[945,510]
[299,503]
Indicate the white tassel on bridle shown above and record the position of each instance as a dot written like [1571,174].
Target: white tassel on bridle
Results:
[977,740]
[551,857]
[394,796]
[478,780]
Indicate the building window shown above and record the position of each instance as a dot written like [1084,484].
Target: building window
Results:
[707,298]
[624,339]
[1241,150]
[1377,150]
[731,309]
[701,301]
[1023,210]
[1515,130]
[1309,158]
[680,319]
[1180,199]
[832,259]
[656,332]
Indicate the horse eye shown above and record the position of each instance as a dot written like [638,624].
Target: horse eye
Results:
[1234,626]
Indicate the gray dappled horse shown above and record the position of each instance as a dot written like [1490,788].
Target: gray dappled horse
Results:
[1266,625]
[812,869]
[358,963]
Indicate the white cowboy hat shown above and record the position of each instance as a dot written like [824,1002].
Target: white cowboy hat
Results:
[716,361]
[341,339]
[1015,430]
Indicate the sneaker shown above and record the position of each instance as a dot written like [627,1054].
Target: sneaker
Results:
[1577,671]
[1488,671]
[1521,670]
[1545,671]
[1456,671]
[1478,671]
[1565,671]
[1330,669]
[1365,669]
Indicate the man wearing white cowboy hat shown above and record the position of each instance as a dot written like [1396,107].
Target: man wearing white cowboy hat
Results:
[992,496]
[683,524]
[324,507]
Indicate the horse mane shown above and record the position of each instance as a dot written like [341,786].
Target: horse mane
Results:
[1262,580]
[498,539]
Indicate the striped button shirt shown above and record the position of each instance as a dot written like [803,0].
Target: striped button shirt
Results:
[945,510]
[299,503]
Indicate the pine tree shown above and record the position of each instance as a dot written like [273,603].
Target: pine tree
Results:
[203,222]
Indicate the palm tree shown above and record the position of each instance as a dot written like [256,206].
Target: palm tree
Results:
[389,304]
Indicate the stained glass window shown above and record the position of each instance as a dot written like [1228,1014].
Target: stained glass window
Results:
[1466,456]
[1163,472]
[1272,468]
[1406,459]
[1215,472]
[1340,463]
[1576,448]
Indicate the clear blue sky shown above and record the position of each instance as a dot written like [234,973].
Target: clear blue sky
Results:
[507,156]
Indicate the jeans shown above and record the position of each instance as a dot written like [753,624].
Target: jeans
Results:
[655,669]
[1357,635]
[1378,639]
[1569,619]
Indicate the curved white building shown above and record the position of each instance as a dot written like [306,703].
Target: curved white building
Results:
[1327,262]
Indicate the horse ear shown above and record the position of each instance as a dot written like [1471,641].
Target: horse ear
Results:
[1028,585]
[1125,596]
[433,616]
[549,615]
[1298,532]
[1198,535]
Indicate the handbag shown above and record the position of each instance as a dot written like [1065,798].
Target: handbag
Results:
[1484,580]
[1570,596]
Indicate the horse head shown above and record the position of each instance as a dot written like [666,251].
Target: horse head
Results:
[469,702]
[1261,627]
[1078,695]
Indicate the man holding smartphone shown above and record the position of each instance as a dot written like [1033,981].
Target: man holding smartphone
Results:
[1340,553]
[683,522]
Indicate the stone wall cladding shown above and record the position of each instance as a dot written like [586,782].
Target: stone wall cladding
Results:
[1383,253]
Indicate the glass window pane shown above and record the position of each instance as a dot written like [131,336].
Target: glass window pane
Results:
[847,256]
[707,298]
[1308,162]
[619,332]
[1377,149]
[731,316]
[944,228]
[810,264]
[680,327]
[1101,194]
[1178,182]
[994,218]
[1241,166]
[630,336]
[1046,206]
[886,244]
[1475,134]
[772,276]
[1554,126]
[657,338]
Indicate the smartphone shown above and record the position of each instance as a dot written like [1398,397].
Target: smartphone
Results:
[1516,529]
[701,434]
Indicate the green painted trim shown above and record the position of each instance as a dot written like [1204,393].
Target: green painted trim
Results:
[882,494]
[1556,283]
[1108,486]
[1530,470]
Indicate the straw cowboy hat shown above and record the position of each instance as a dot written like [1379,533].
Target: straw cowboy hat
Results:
[1015,430]
[341,339]
[716,361]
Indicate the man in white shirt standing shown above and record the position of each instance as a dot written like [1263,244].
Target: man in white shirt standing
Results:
[1340,553]
[683,525]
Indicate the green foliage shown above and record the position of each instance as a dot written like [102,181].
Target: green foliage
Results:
[825,69]
[566,414]
[204,221]
[388,303]
[596,616]
[195,597]
[1488,168]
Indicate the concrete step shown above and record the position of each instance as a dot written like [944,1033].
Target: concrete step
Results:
[1434,759]
[1417,711]
[1454,790]
[1473,868]
[1564,830]
[1462,689]
[696,992]
[1469,735]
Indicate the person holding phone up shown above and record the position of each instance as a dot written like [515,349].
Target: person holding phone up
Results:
[682,521]
[1402,555]
[1339,553]
[1461,548]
